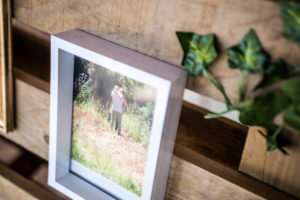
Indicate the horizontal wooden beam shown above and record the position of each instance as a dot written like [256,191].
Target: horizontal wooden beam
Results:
[231,175]
[25,184]
[31,33]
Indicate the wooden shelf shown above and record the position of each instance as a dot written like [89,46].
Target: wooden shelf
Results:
[214,145]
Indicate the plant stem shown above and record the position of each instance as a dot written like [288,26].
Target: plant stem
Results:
[208,77]
[278,130]
[215,115]
[241,86]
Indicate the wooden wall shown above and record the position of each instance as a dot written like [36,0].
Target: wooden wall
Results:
[6,87]
[186,180]
[149,26]
[274,168]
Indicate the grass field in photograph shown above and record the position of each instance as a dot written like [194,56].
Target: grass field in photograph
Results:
[120,158]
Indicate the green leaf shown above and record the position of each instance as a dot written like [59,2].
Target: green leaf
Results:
[275,72]
[262,110]
[199,51]
[247,55]
[290,14]
[291,88]
[291,116]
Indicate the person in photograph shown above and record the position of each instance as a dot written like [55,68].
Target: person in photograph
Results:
[118,103]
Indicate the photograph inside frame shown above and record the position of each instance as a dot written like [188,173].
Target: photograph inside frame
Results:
[111,126]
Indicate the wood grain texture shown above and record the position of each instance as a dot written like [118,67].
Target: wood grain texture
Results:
[254,154]
[15,186]
[273,167]
[6,87]
[216,139]
[9,191]
[2,57]
[9,153]
[32,128]
[32,133]
[188,181]
[149,27]
[229,174]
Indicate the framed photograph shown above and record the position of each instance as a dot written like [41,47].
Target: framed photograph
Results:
[113,119]
[6,83]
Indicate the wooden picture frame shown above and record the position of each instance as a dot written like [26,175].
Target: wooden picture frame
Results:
[6,84]
[76,180]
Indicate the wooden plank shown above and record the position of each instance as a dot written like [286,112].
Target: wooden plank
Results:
[6,87]
[229,174]
[149,27]
[2,57]
[32,113]
[31,53]
[32,133]
[273,168]
[9,153]
[254,154]
[188,181]
[9,191]
[220,140]
[14,186]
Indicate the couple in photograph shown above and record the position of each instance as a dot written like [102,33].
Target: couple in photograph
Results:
[118,103]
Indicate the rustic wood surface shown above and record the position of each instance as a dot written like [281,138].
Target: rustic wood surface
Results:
[9,191]
[194,134]
[2,56]
[273,167]
[32,117]
[32,60]
[149,27]
[188,181]
[254,154]
[215,139]
[6,88]
[14,186]
[32,134]
[229,174]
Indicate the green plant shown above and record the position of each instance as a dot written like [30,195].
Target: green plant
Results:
[199,52]
[248,56]
[290,13]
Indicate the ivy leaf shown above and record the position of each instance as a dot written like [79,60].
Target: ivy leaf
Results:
[291,88]
[290,14]
[291,116]
[275,72]
[199,51]
[262,110]
[247,55]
